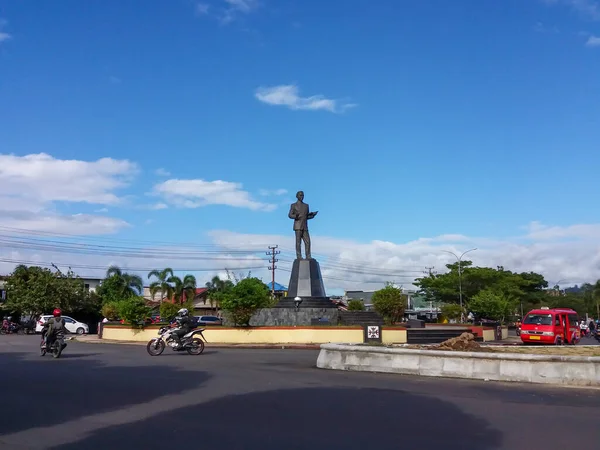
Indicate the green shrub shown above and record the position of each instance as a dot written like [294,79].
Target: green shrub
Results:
[244,299]
[134,311]
[356,305]
[451,311]
[168,311]
[390,302]
[111,311]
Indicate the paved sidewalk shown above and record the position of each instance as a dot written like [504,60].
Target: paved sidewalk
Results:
[93,339]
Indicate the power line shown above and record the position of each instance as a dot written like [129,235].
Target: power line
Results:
[272,253]
[47,242]
[132,269]
[20,231]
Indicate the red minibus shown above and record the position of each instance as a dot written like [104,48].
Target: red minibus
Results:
[551,326]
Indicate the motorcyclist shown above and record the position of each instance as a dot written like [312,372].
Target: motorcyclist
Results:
[54,329]
[184,324]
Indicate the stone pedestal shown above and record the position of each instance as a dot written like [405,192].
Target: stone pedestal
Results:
[306,282]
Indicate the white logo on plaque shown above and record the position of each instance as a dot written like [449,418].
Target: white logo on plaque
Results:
[373,332]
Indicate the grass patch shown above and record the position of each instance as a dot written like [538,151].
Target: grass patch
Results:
[567,350]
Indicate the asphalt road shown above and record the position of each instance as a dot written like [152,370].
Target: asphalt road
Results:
[100,396]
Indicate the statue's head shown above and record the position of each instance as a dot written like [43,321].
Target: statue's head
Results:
[300,195]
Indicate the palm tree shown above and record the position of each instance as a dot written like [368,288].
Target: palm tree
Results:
[161,284]
[216,287]
[129,284]
[184,289]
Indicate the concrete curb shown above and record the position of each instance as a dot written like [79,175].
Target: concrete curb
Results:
[216,345]
[578,371]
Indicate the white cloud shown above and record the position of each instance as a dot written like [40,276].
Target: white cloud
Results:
[197,193]
[590,9]
[102,210]
[41,177]
[3,35]
[244,6]
[229,10]
[267,192]
[288,95]
[593,41]
[568,254]
[202,8]
[542,28]
[80,224]
[162,172]
[33,184]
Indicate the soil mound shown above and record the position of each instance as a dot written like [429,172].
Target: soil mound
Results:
[463,343]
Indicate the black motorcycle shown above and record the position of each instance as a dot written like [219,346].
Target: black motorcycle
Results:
[191,343]
[56,347]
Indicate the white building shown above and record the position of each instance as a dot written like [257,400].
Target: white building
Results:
[91,284]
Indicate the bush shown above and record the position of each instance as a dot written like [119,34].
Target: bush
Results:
[488,304]
[390,302]
[134,311]
[451,311]
[244,299]
[356,305]
[168,311]
[111,311]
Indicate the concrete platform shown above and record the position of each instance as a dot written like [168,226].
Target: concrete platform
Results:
[546,369]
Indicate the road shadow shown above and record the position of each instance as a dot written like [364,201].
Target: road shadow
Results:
[67,355]
[539,394]
[316,419]
[171,353]
[43,391]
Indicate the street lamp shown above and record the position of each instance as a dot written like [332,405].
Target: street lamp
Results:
[459,259]
[297,302]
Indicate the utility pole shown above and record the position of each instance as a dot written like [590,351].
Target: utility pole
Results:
[430,271]
[459,259]
[272,253]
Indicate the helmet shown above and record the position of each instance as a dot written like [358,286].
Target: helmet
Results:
[183,312]
[56,312]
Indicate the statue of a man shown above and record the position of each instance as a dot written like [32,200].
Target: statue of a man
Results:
[299,211]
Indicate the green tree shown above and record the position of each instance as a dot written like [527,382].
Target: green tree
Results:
[356,305]
[489,304]
[119,285]
[524,287]
[244,299]
[161,284]
[390,302]
[36,290]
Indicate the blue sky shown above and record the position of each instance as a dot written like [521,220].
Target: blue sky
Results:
[401,120]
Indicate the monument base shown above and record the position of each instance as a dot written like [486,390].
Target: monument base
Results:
[306,282]
[288,317]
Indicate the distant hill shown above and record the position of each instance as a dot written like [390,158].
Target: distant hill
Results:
[573,290]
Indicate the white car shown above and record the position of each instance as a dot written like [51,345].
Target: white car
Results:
[72,325]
